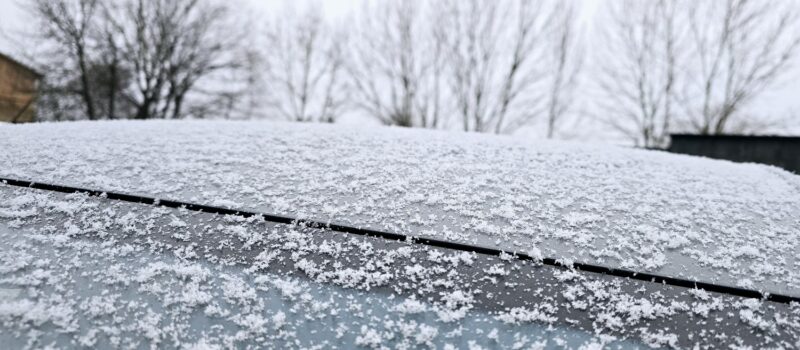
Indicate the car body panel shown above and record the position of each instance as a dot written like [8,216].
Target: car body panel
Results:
[698,219]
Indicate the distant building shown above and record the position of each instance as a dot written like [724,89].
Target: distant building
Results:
[18,91]
[781,151]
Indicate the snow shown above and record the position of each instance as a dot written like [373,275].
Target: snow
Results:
[517,315]
[641,210]
[105,273]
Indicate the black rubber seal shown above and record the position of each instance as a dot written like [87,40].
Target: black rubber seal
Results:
[648,277]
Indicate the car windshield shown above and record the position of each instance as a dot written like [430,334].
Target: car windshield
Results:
[103,270]
[94,272]
[88,293]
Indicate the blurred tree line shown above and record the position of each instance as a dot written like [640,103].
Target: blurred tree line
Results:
[135,59]
[657,66]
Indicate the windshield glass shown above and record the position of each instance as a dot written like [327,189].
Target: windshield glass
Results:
[111,299]
[99,271]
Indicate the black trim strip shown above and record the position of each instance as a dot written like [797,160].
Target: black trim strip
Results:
[672,281]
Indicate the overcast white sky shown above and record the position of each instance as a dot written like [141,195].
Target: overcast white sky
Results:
[782,100]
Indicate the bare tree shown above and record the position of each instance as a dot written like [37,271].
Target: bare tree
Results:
[431,106]
[250,84]
[639,70]
[738,49]
[133,58]
[69,24]
[304,67]
[171,46]
[396,64]
[565,61]
[495,51]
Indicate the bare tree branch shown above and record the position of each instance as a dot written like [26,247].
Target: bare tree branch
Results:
[495,50]
[566,60]
[740,47]
[639,70]
[304,59]
[396,65]
[69,23]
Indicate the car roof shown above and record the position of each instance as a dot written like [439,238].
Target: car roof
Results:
[485,192]
[647,211]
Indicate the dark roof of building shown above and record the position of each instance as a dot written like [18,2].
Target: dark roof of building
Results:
[734,137]
[20,64]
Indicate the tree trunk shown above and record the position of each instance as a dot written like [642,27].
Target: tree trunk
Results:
[85,85]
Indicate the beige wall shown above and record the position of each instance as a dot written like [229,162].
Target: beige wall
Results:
[17,89]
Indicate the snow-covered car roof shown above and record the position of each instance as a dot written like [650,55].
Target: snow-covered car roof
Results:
[648,211]
[697,219]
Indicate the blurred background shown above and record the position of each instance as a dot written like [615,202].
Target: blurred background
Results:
[623,72]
